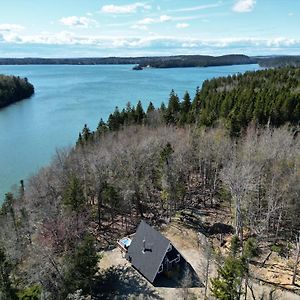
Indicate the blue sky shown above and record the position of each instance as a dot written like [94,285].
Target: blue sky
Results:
[77,28]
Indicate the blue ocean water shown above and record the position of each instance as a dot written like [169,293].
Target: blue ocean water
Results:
[67,97]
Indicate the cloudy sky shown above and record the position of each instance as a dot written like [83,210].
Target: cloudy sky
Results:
[77,28]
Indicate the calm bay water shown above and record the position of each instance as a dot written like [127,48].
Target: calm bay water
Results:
[67,97]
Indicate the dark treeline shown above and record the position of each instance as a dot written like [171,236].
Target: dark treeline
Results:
[13,89]
[155,61]
[177,61]
[144,165]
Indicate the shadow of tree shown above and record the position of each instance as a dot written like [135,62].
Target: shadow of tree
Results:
[122,282]
[178,278]
[195,223]
[220,228]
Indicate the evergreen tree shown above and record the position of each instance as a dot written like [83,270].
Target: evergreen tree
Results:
[114,120]
[150,108]
[102,127]
[86,134]
[139,113]
[7,292]
[185,109]
[79,140]
[129,114]
[186,104]
[81,267]
[227,285]
[196,101]
[172,112]
[163,108]
[73,197]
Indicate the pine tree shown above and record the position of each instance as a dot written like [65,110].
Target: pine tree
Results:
[7,292]
[86,134]
[185,109]
[227,285]
[73,197]
[130,114]
[139,113]
[114,120]
[79,140]
[186,104]
[150,108]
[163,107]
[172,112]
[81,267]
[102,128]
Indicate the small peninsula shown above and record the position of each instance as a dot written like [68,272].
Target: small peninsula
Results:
[14,89]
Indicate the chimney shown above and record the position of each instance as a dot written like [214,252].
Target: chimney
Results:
[144,245]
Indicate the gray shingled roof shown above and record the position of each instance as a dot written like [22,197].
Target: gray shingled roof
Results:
[156,245]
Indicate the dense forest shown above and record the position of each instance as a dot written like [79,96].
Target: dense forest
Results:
[149,165]
[263,97]
[13,89]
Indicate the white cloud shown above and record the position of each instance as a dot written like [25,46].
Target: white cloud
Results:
[164,18]
[242,6]
[139,26]
[10,27]
[290,14]
[74,21]
[195,8]
[182,25]
[124,9]
[148,21]
[154,45]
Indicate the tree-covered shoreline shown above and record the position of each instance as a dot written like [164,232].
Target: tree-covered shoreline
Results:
[14,89]
[265,97]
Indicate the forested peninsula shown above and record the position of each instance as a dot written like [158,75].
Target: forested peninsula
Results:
[13,89]
[223,164]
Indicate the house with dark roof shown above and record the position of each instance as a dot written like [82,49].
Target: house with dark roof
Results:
[151,253]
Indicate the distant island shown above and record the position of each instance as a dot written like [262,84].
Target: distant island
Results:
[178,61]
[13,89]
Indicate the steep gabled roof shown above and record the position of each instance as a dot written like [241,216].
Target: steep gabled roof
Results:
[147,250]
